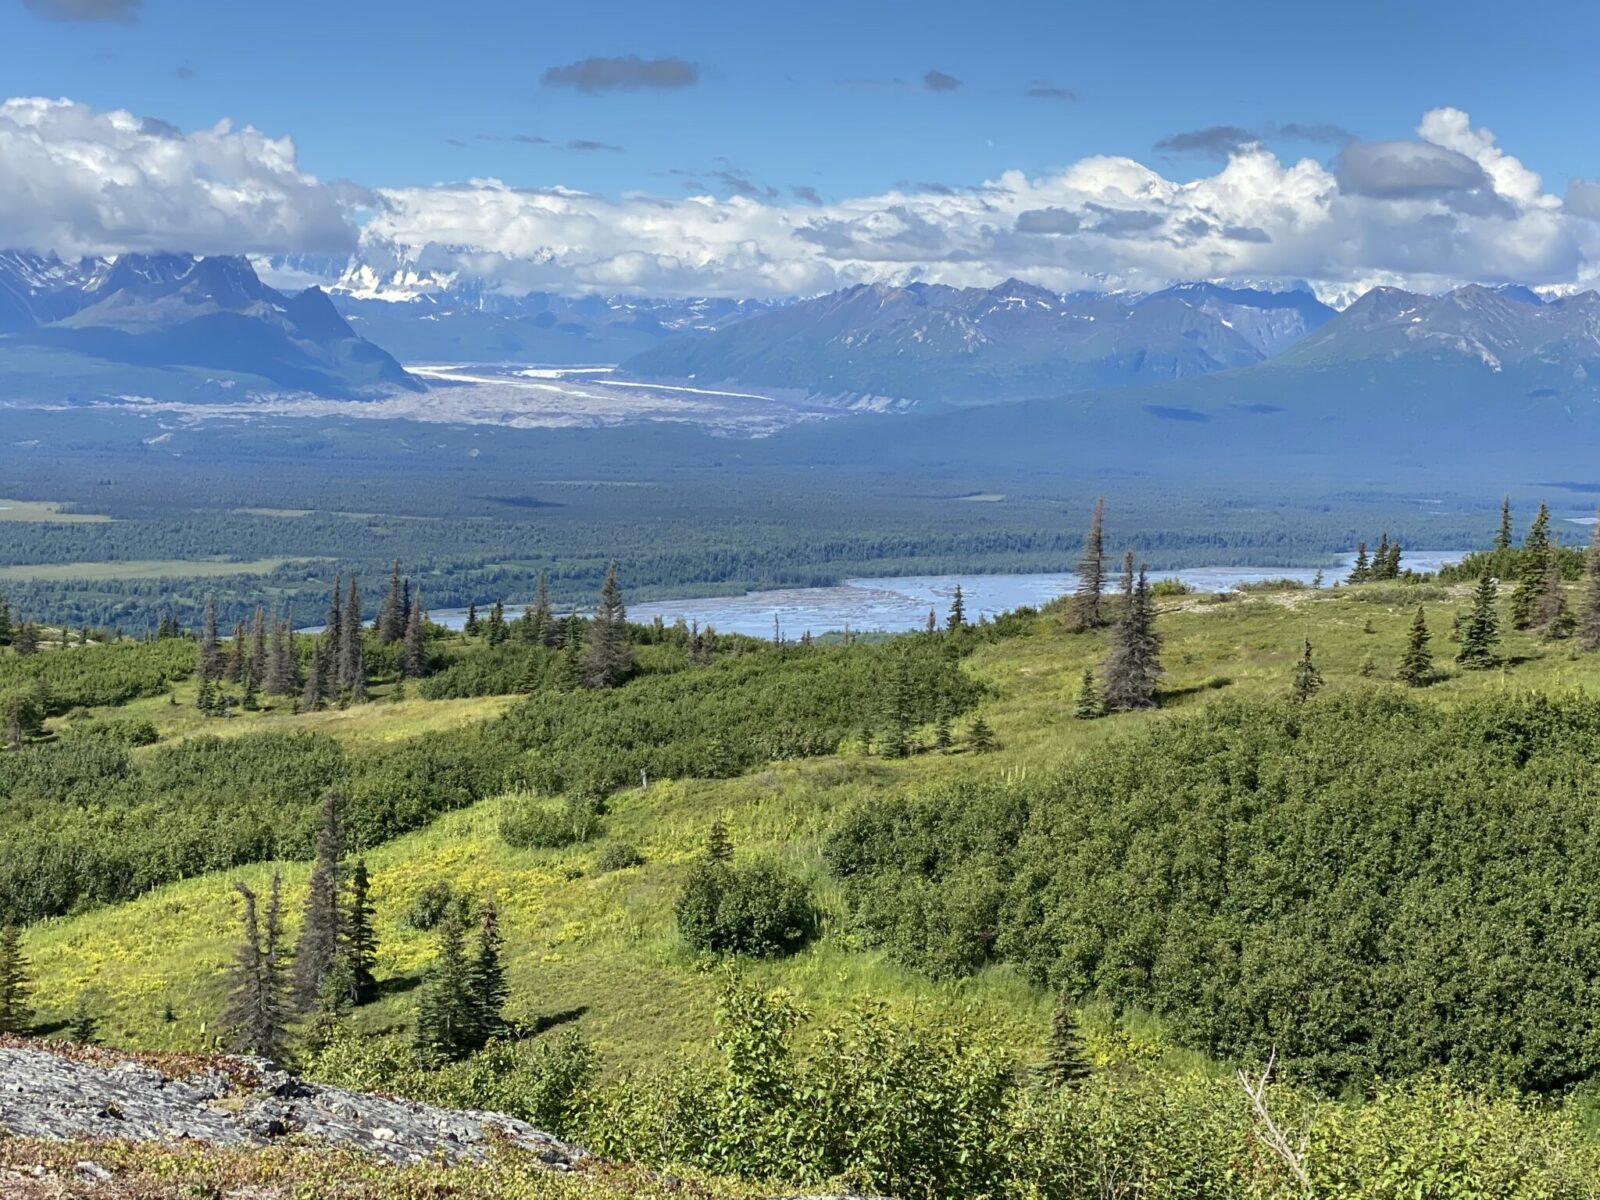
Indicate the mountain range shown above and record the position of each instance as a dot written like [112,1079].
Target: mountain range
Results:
[932,343]
[175,326]
[433,316]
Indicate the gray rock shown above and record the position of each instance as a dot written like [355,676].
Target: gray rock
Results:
[43,1095]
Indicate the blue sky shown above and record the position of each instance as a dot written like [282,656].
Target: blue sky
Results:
[826,95]
[745,149]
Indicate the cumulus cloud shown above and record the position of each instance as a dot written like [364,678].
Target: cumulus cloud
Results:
[628,74]
[78,181]
[1449,207]
[938,81]
[125,12]
[1422,214]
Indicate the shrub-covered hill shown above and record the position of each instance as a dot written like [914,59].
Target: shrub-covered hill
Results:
[1446,825]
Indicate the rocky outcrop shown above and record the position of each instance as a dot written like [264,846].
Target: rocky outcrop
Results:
[241,1103]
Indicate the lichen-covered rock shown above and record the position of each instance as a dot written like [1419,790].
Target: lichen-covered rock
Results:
[244,1103]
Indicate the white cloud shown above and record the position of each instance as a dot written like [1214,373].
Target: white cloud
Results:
[78,181]
[1450,207]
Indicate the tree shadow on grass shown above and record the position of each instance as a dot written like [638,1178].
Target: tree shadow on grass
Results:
[397,985]
[523,1031]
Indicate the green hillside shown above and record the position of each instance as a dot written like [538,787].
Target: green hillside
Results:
[794,750]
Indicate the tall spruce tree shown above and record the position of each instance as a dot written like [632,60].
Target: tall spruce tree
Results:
[1087,610]
[958,613]
[235,666]
[1127,580]
[447,1011]
[1416,664]
[208,662]
[258,647]
[472,627]
[16,983]
[486,976]
[414,656]
[311,694]
[545,630]
[352,660]
[5,621]
[1066,1063]
[1552,618]
[1532,569]
[1380,558]
[255,1014]
[497,631]
[361,938]
[608,661]
[25,641]
[1481,633]
[332,629]
[1133,663]
[321,943]
[1361,570]
[391,617]
[1502,537]
[1589,597]
[1307,679]
[570,675]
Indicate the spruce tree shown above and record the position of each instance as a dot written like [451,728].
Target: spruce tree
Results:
[1087,707]
[1066,1063]
[1380,558]
[570,675]
[26,640]
[545,630]
[1589,600]
[719,845]
[1307,679]
[898,742]
[254,1016]
[1127,580]
[486,976]
[1133,663]
[1551,617]
[1368,667]
[1416,665]
[1361,571]
[1087,609]
[352,660]
[472,626]
[608,661]
[84,1027]
[311,695]
[447,1011]
[333,634]
[16,984]
[208,664]
[1481,634]
[931,625]
[391,620]
[236,668]
[980,737]
[1502,538]
[1532,570]
[414,657]
[497,631]
[258,647]
[321,943]
[361,939]
[942,737]
[5,621]
[958,613]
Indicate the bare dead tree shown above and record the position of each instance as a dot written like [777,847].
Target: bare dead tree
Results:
[1268,1132]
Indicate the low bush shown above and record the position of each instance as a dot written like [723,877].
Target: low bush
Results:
[756,909]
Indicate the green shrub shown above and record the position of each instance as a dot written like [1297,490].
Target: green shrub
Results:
[432,904]
[1170,587]
[528,823]
[756,909]
[618,856]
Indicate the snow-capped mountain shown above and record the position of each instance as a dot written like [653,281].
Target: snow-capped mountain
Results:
[93,325]
[425,314]
[978,345]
